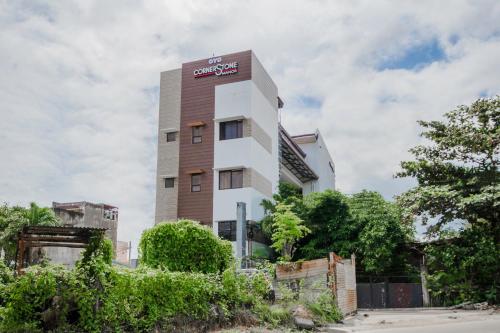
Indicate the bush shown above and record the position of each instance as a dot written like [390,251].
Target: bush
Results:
[29,297]
[464,268]
[125,300]
[271,315]
[324,309]
[184,246]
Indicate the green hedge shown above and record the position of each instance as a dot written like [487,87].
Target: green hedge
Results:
[125,300]
[184,246]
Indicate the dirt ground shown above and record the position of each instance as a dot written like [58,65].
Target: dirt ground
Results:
[405,321]
[420,321]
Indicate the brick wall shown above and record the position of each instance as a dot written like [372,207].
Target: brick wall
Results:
[344,282]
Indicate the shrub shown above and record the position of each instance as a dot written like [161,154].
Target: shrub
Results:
[184,246]
[53,298]
[272,315]
[30,295]
[324,309]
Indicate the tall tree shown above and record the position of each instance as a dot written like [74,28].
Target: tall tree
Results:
[458,180]
[458,171]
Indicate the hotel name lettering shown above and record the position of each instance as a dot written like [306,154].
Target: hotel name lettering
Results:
[217,68]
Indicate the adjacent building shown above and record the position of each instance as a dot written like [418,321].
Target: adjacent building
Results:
[220,142]
[82,214]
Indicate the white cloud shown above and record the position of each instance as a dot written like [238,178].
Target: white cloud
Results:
[78,85]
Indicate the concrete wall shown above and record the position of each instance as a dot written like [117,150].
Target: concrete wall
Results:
[256,153]
[345,285]
[168,152]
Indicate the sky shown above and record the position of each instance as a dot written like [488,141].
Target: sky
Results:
[79,83]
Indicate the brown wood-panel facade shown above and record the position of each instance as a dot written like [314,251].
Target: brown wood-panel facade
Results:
[198,105]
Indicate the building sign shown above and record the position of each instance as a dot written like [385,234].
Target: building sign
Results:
[217,68]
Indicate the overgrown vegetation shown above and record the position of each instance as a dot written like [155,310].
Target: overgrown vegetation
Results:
[459,185]
[325,309]
[364,224]
[98,297]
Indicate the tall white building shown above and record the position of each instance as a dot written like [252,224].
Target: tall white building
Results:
[220,142]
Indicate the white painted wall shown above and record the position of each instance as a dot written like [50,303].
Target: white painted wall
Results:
[317,158]
[243,100]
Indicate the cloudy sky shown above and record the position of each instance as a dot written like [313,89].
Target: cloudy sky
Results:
[79,84]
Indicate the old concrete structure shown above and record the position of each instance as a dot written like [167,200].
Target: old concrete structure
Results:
[83,214]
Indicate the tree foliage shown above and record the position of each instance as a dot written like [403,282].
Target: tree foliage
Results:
[383,235]
[332,226]
[14,219]
[364,224]
[458,181]
[288,229]
[184,246]
[464,266]
[458,171]
[288,194]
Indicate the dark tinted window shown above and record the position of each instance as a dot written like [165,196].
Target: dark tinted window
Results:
[227,230]
[231,130]
[169,182]
[171,136]
[196,183]
[230,179]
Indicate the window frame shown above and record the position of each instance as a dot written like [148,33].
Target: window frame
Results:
[239,129]
[197,136]
[231,186]
[197,185]
[165,182]
[171,133]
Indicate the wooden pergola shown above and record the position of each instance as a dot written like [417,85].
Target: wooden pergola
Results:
[47,236]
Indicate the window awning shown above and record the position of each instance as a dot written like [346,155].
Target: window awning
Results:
[195,171]
[196,123]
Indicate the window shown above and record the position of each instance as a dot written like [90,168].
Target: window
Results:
[230,179]
[171,136]
[196,134]
[196,183]
[169,182]
[231,130]
[227,230]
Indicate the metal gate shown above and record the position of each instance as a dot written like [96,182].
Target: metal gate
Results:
[389,295]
